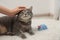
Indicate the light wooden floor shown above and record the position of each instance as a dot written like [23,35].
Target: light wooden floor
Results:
[52,33]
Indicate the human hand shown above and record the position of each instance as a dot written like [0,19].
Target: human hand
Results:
[17,9]
[22,8]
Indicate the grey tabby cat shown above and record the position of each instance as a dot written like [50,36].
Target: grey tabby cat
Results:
[18,24]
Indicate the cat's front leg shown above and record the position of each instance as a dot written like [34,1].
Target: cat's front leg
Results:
[21,34]
[30,31]
[18,30]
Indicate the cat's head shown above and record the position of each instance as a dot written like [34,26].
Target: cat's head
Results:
[25,15]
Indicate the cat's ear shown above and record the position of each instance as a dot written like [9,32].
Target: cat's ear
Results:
[30,8]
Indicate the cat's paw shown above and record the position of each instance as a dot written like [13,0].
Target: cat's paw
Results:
[10,33]
[23,36]
[31,33]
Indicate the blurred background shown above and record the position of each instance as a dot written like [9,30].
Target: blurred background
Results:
[44,8]
[39,6]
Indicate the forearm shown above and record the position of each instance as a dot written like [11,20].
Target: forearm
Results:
[4,10]
[9,12]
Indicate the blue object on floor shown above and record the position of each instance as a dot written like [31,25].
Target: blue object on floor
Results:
[42,27]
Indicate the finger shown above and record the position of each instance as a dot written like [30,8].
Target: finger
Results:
[22,7]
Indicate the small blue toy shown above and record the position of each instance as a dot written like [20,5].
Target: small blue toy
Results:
[42,27]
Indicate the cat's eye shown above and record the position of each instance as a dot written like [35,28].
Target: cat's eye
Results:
[21,14]
[28,12]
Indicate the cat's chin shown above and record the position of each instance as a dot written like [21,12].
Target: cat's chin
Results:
[25,18]
[26,21]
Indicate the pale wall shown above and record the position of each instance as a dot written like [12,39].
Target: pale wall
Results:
[39,6]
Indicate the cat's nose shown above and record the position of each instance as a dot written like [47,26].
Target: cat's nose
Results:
[25,14]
